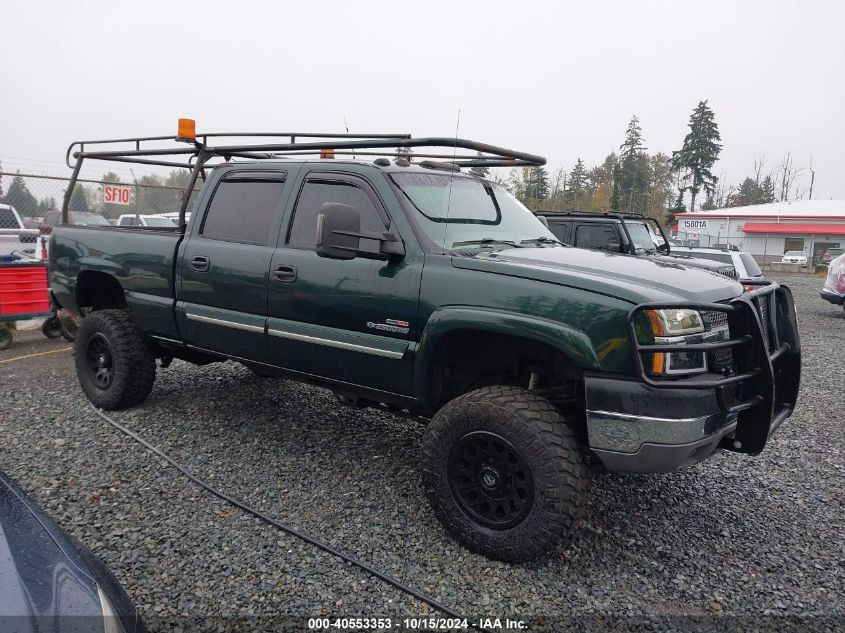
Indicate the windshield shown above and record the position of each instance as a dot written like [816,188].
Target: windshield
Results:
[83,218]
[641,236]
[794,253]
[454,209]
[151,221]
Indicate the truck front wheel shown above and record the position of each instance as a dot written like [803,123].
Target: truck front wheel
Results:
[114,364]
[504,472]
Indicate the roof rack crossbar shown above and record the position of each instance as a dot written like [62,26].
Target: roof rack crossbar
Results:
[491,155]
[79,146]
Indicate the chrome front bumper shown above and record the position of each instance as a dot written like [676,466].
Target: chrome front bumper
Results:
[641,443]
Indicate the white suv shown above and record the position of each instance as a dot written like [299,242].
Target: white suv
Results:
[744,263]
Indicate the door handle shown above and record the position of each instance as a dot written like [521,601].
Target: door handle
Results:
[285,274]
[200,263]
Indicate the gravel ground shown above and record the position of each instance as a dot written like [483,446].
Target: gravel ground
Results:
[735,536]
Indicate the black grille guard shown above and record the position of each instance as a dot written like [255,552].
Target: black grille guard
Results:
[764,389]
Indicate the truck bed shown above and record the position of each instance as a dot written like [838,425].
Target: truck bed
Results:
[144,264]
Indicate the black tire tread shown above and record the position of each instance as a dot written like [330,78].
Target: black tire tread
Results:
[134,360]
[563,474]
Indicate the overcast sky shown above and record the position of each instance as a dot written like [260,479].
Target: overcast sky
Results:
[557,79]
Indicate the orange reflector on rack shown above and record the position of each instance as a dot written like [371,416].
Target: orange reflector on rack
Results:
[187,130]
[326,153]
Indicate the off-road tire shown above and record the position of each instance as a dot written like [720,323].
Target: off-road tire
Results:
[544,441]
[131,360]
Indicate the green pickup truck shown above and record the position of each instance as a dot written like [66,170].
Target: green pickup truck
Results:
[416,286]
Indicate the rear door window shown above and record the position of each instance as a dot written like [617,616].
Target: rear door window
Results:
[596,236]
[243,208]
[560,230]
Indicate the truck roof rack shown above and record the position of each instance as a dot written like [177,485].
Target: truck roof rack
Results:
[607,214]
[188,150]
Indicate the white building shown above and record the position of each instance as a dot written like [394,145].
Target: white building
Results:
[767,231]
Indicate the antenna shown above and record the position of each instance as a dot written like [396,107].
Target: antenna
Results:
[451,178]
[346,125]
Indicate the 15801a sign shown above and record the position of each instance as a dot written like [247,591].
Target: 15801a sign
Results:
[693,225]
[116,194]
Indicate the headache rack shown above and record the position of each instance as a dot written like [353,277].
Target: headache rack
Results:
[196,152]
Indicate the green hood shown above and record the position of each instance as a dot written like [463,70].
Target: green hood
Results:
[634,279]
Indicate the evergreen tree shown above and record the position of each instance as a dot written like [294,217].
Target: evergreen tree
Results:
[768,190]
[699,152]
[633,143]
[481,172]
[79,199]
[617,177]
[748,192]
[537,184]
[576,190]
[20,197]
[635,168]
[47,204]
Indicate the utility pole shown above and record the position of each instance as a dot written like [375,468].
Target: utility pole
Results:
[812,178]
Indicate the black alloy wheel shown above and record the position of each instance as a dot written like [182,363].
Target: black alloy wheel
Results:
[504,472]
[99,360]
[490,480]
[115,364]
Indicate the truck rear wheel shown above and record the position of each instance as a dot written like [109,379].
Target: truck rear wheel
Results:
[503,472]
[114,364]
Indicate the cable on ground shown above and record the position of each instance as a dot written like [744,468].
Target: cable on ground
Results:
[286,528]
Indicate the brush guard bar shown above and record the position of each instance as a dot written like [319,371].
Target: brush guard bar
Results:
[766,349]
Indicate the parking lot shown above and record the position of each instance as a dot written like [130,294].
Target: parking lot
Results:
[735,536]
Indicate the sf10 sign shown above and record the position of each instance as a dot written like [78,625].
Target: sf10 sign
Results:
[116,194]
[688,225]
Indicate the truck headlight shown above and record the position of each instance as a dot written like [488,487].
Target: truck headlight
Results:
[676,321]
[673,326]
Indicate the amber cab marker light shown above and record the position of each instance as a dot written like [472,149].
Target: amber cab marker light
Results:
[326,153]
[187,131]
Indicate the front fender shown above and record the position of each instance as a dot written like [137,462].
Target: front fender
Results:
[571,342]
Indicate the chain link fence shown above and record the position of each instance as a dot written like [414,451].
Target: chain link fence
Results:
[37,198]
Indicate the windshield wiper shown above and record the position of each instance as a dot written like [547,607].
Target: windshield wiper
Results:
[487,241]
[542,240]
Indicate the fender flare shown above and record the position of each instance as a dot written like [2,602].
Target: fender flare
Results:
[572,343]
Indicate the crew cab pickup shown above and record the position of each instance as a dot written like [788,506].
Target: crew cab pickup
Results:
[419,288]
